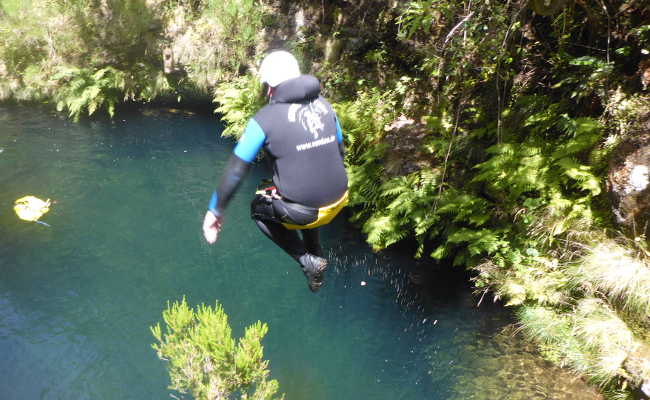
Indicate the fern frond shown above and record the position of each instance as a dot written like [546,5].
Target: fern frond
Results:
[581,174]
[583,133]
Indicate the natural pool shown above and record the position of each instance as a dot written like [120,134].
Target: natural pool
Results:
[77,298]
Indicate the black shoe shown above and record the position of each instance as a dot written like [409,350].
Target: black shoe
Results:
[313,267]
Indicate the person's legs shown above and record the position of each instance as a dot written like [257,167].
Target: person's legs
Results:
[286,239]
[312,265]
[311,238]
[314,256]
[263,212]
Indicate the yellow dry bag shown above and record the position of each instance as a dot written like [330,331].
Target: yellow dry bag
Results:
[30,208]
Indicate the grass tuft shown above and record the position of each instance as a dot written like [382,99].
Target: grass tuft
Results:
[613,270]
[591,339]
[605,335]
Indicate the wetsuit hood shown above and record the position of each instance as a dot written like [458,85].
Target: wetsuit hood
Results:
[297,90]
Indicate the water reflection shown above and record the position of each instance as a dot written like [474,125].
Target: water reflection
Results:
[471,352]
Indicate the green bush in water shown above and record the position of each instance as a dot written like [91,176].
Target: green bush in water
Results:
[204,359]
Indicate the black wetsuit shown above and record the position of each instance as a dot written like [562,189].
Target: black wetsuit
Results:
[303,139]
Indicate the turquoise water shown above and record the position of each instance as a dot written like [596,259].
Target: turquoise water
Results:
[77,298]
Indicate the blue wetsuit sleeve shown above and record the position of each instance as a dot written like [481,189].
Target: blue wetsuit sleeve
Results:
[247,148]
[212,206]
[339,132]
[251,142]
[339,137]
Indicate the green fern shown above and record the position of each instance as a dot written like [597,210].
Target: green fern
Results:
[238,100]
[87,90]
[84,90]
[363,120]
[542,176]
[583,134]
[580,175]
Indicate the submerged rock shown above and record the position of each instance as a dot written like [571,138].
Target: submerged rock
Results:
[508,367]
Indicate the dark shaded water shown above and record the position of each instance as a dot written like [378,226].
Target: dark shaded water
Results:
[77,299]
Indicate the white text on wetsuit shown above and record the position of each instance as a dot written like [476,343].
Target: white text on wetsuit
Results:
[316,143]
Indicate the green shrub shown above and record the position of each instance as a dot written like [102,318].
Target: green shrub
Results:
[214,42]
[72,43]
[203,358]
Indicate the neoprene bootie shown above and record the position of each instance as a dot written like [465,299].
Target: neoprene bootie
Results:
[313,267]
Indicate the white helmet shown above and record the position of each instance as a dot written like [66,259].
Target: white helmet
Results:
[277,67]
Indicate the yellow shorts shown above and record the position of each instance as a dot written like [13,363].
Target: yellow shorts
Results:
[325,214]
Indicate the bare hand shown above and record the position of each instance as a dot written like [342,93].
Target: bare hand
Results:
[211,227]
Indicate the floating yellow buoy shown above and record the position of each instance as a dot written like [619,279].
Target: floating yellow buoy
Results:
[30,208]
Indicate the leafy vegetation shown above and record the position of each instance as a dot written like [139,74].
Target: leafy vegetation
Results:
[203,358]
[504,164]
[480,131]
[238,100]
[89,55]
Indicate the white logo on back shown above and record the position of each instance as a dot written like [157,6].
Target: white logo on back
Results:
[310,116]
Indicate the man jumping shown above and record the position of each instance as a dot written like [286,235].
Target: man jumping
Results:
[302,137]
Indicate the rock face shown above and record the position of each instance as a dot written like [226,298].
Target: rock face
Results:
[404,155]
[644,390]
[629,182]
